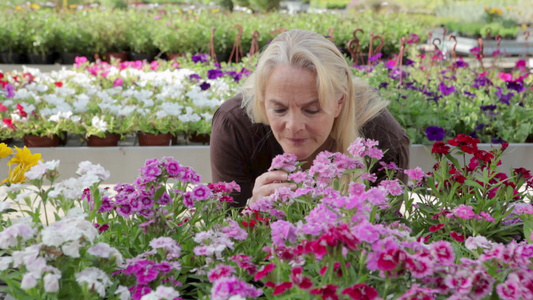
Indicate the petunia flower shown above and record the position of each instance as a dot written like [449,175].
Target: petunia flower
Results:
[435,133]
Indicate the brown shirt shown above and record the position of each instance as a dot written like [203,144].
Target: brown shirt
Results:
[241,150]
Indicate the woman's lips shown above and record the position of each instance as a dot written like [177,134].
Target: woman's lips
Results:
[296,141]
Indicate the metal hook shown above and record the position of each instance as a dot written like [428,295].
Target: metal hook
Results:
[454,54]
[212,52]
[434,43]
[237,49]
[278,31]
[254,48]
[356,31]
[526,33]
[480,42]
[498,39]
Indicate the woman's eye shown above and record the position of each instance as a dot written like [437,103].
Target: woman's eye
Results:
[312,111]
[279,110]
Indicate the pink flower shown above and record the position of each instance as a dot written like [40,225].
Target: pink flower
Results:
[391,187]
[286,162]
[457,236]
[369,176]
[220,271]
[434,228]
[225,287]
[201,192]
[297,278]
[415,174]
[118,82]
[487,217]
[509,290]
[464,212]
[388,260]
[443,251]
[265,270]
[360,291]
[281,288]
[420,267]
[283,231]
[356,188]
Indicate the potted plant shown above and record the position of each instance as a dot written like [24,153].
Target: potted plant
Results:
[73,37]
[11,39]
[155,127]
[104,130]
[140,36]
[39,37]
[108,35]
[38,130]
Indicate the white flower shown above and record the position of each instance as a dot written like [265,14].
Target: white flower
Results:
[124,293]
[5,262]
[106,251]
[80,104]
[29,281]
[10,236]
[68,229]
[76,212]
[95,279]
[51,282]
[38,171]
[72,248]
[100,125]
[86,168]
[26,256]
[162,292]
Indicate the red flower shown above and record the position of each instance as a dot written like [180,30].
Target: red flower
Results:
[440,148]
[457,236]
[28,76]
[484,156]
[22,113]
[251,224]
[281,288]
[423,239]
[58,83]
[467,143]
[264,271]
[434,228]
[301,281]
[522,173]
[3,107]
[389,260]
[9,123]
[328,292]
[360,291]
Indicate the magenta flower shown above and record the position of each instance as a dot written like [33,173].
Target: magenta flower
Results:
[464,212]
[200,58]
[415,174]
[220,271]
[265,270]
[446,90]
[10,90]
[443,251]
[283,231]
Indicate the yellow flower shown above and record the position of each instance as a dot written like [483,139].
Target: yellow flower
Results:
[16,174]
[5,150]
[35,6]
[23,160]
[493,11]
[215,10]
[24,157]
[18,7]
[73,6]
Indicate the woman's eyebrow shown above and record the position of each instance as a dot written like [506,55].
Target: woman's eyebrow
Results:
[305,104]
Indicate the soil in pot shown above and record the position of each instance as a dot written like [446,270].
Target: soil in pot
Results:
[120,56]
[41,141]
[12,58]
[141,56]
[202,138]
[38,59]
[147,139]
[110,140]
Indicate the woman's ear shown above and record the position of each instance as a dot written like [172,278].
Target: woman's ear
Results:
[340,104]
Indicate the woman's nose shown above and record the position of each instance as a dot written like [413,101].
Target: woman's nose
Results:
[295,122]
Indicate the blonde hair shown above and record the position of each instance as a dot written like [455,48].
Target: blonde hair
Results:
[312,51]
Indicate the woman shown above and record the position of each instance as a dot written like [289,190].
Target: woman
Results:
[301,99]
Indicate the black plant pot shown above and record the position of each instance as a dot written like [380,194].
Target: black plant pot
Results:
[12,58]
[37,59]
[69,58]
[134,56]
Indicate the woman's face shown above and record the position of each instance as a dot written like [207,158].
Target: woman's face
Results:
[298,122]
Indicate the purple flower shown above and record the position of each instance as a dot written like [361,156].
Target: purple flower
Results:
[383,85]
[468,94]
[446,90]
[460,64]
[516,85]
[479,127]
[195,77]
[498,141]
[10,90]
[481,80]
[375,57]
[408,62]
[200,57]
[490,107]
[214,74]
[504,98]
[435,133]
[204,86]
